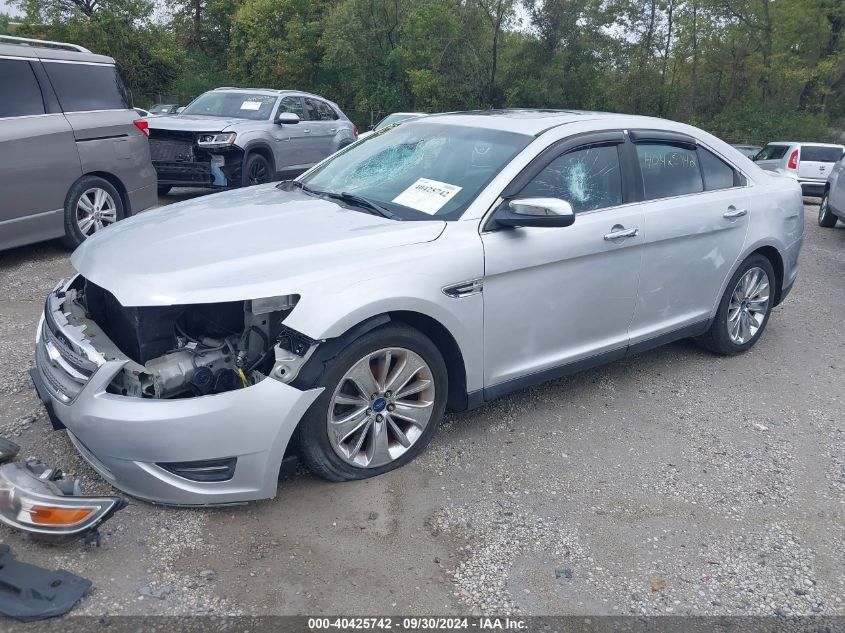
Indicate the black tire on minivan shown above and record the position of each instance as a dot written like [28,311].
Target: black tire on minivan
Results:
[163,190]
[92,204]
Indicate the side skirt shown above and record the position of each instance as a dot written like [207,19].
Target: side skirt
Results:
[480,397]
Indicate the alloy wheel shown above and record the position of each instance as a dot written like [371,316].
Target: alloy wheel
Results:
[749,305]
[258,173]
[381,407]
[95,210]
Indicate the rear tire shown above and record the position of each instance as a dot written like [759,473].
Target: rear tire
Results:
[743,314]
[92,204]
[347,434]
[163,190]
[826,217]
[257,170]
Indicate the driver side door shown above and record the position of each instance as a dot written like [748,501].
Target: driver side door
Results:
[293,146]
[558,300]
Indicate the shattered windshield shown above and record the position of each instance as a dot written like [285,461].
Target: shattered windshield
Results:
[232,105]
[420,169]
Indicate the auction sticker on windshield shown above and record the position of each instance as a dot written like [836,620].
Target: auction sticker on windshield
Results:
[251,105]
[427,196]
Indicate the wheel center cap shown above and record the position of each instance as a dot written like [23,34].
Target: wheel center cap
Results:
[379,404]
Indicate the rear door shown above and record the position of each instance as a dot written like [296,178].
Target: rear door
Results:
[323,125]
[38,158]
[771,157]
[292,146]
[815,162]
[695,221]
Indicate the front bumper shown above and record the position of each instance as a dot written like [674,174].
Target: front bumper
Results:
[125,438]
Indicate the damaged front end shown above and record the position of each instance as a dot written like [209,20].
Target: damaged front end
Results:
[182,351]
[38,500]
[184,404]
[196,159]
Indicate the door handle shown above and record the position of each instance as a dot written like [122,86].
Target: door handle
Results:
[333,130]
[619,232]
[732,213]
[306,130]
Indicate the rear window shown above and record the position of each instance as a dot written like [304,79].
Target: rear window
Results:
[19,91]
[821,154]
[772,152]
[84,87]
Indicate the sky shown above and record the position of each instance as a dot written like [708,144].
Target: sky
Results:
[5,8]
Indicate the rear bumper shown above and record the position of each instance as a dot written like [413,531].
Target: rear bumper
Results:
[142,198]
[812,187]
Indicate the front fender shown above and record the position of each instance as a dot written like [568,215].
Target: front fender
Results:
[414,284]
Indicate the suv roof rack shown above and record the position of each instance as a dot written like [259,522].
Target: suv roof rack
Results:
[27,41]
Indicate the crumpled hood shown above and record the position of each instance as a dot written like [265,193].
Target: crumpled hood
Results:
[192,123]
[242,244]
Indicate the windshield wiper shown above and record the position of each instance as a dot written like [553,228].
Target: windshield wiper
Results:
[368,204]
[286,185]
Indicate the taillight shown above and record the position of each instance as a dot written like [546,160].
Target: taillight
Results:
[355,131]
[792,163]
[142,125]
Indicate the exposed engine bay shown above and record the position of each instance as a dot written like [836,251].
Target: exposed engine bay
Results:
[183,351]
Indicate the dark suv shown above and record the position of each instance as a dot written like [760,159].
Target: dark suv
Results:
[74,156]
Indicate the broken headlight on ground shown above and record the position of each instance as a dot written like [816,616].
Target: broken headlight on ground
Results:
[181,351]
[38,500]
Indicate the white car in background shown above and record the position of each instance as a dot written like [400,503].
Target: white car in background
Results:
[809,163]
[391,119]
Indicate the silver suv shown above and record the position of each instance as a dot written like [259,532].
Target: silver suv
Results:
[809,163]
[74,155]
[229,137]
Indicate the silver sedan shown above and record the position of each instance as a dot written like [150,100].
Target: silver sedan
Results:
[206,345]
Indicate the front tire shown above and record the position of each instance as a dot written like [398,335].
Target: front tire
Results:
[744,309]
[383,398]
[91,205]
[163,190]
[826,217]
[257,170]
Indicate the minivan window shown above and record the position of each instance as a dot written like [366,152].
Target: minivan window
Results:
[717,173]
[84,87]
[772,152]
[668,170]
[21,95]
[588,178]
[820,154]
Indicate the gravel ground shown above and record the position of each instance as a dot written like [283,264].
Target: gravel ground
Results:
[675,482]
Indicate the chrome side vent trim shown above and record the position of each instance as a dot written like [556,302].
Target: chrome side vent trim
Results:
[464,289]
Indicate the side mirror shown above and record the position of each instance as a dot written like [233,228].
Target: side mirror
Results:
[543,212]
[287,118]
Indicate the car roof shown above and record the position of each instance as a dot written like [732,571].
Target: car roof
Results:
[267,91]
[801,143]
[535,122]
[45,52]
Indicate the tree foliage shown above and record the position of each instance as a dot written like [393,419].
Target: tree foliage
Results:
[750,70]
